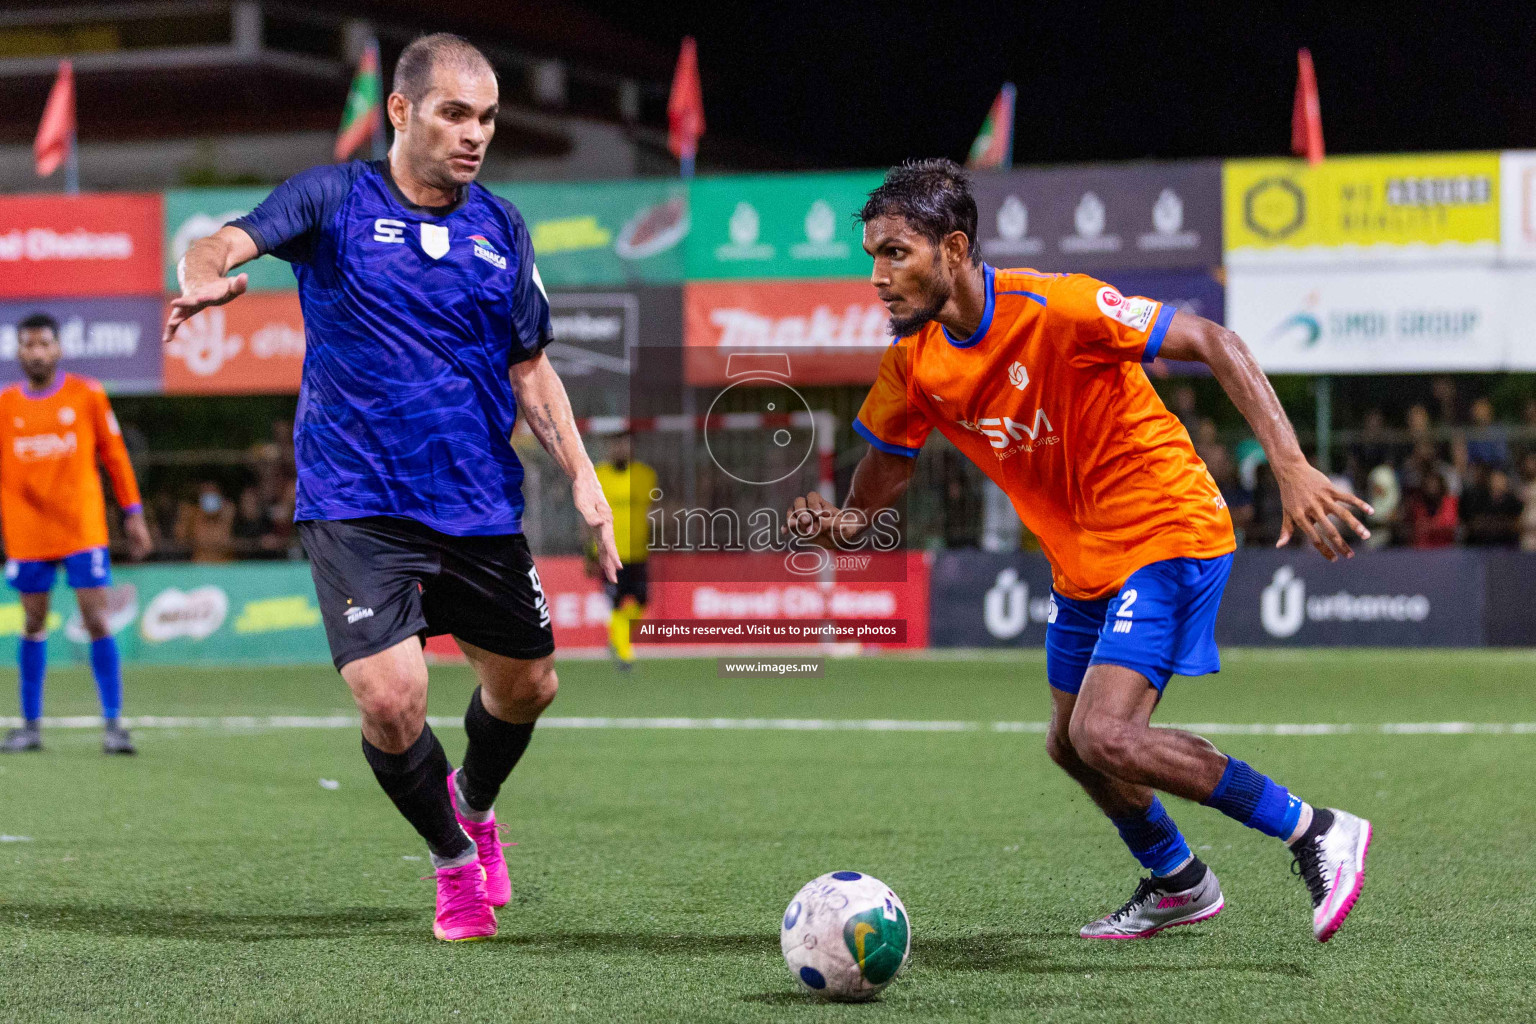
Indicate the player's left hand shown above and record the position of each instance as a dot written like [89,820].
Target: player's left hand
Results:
[588,495]
[139,543]
[1308,498]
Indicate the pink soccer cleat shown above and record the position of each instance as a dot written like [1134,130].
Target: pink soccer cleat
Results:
[463,912]
[498,884]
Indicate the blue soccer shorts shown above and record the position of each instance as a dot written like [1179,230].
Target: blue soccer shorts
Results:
[88,568]
[1161,623]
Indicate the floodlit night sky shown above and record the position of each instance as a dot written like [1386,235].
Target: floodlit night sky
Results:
[844,84]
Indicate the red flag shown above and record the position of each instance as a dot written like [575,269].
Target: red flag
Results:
[1307,114]
[685,107]
[55,134]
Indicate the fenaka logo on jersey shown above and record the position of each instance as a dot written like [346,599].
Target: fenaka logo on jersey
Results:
[1135,312]
[486,251]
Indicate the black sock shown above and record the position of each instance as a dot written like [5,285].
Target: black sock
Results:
[1322,821]
[417,781]
[494,749]
[1187,877]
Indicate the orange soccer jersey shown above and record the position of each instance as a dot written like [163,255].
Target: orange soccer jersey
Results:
[51,504]
[1049,398]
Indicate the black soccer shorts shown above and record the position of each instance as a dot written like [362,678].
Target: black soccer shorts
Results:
[383,579]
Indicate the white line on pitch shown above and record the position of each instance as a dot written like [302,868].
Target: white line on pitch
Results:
[231,723]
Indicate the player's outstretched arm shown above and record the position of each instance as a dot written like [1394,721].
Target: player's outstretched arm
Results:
[879,481]
[1306,494]
[202,271]
[541,397]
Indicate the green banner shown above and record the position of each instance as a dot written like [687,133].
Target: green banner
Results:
[195,213]
[240,613]
[777,226]
[600,233]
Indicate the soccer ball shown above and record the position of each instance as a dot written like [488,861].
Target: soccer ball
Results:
[845,935]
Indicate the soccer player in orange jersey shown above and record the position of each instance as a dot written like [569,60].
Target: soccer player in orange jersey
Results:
[1038,379]
[53,431]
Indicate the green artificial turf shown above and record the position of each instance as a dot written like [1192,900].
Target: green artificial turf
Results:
[213,878]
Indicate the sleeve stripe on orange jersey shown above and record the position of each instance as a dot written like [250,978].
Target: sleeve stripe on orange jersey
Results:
[1029,295]
[1159,328]
[884,446]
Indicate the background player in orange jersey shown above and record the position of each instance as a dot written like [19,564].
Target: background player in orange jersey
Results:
[53,431]
[1037,378]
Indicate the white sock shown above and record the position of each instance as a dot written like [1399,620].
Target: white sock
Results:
[468,857]
[479,817]
[1302,824]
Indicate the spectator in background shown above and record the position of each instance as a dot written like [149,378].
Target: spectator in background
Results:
[1528,499]
[1444,390]
[1528,426]
[1420,431]
[1386,497]
[1424,463]
[1490,509]
[1223,469]
[1432,513]
[1185,407]
[1487,442]
[1374,447]
[206,525]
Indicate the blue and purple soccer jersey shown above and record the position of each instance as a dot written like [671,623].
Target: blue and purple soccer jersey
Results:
[412,318]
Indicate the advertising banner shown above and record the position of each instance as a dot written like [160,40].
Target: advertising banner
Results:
[828,332]
[597,332]
[1415,207]
[253,345]
[1517,205]
[250,613]
[116,341]
[193,213]
[80,245]
[1389,598]
[981,599]
[1098,218]
[1398,320]
[778,226]
[1273,598]
[604,233]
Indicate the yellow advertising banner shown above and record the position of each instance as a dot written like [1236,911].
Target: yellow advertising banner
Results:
[1413,206]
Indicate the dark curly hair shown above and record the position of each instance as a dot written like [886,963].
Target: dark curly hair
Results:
[934,196]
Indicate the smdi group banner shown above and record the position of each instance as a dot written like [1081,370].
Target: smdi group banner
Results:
[1401,319]
[1419,207]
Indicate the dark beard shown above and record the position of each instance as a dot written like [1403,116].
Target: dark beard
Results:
[905,326]
[938,294]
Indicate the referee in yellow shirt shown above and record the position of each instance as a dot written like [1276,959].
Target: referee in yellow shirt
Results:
[628,485]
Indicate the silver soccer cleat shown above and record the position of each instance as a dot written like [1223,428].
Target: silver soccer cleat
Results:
[1151,909]
[18,740]
[1333,867]
[115,740]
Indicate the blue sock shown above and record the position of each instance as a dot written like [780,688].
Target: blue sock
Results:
[1154,839]
[109,676]
[1255,800]
[32,657]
